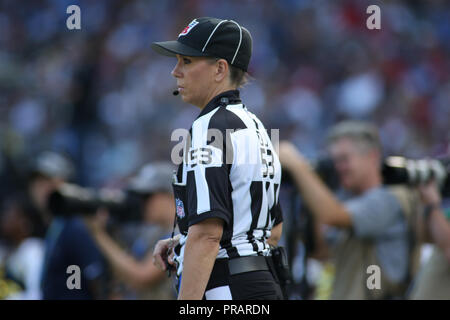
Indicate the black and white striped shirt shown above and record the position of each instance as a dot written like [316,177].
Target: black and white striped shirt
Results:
[230,171]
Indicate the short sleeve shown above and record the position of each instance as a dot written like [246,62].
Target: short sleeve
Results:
[277,214]
[373,213]
[208,187]
[208,195]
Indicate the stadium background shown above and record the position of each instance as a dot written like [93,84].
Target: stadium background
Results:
[101,96]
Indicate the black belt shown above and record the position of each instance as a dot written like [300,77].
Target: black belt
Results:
[223,268]
[247,264]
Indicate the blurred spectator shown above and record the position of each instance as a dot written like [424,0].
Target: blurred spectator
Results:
[375,222]
[100,93]
[22,265]
[433,282]
[26,219]
[67,242]
[136,269]
[49,170]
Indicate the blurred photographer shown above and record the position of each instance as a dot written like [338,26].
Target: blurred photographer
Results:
[24,220]
[153,184]
[433,281]
[20,268]
[48,171]
[373,220]
[67,240]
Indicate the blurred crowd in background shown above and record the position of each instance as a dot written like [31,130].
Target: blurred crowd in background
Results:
[101,97]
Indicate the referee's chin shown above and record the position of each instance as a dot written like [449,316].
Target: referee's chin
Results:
[183,97]
[186,99]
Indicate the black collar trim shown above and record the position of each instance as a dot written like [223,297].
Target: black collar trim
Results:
[231,95]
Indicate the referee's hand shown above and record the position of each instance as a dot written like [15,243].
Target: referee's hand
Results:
[163,253]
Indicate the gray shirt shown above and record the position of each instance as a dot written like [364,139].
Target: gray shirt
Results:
[377,215]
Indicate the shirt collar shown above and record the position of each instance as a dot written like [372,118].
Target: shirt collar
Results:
[231,95]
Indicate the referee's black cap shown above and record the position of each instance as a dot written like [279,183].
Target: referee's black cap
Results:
[211,37]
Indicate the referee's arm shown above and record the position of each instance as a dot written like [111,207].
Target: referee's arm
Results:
[200,253]
[275,235]
[209,208]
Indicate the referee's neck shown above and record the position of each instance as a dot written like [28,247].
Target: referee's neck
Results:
[214,93]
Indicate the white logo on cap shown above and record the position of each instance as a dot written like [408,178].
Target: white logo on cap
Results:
[188,28]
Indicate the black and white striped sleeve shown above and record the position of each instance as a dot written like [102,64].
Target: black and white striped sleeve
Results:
[277,214]
[208,184]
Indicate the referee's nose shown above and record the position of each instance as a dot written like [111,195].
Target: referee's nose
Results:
[176,73]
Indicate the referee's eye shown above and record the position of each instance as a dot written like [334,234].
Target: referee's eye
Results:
[186,60]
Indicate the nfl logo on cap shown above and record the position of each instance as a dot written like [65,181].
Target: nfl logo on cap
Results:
[188,28]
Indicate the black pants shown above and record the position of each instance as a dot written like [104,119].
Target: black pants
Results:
[255,285]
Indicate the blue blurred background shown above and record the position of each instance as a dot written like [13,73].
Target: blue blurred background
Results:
[101,95]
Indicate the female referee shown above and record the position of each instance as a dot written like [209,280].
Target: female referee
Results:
[226,190]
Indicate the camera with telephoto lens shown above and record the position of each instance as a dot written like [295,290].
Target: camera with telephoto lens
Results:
[70,199]
[398,170]
[123,206]
[395,170]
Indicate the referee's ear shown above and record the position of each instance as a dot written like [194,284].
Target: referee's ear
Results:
[222,70]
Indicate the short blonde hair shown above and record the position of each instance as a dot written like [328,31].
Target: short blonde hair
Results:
[238,77]
[364,133]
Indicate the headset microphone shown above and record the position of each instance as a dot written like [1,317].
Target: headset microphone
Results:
[175,92]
